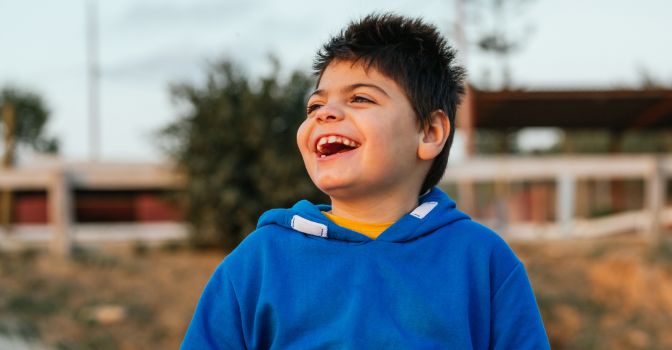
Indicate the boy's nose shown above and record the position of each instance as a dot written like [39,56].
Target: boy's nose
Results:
[329,113]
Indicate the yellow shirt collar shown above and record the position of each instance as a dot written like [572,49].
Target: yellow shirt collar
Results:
[369,230]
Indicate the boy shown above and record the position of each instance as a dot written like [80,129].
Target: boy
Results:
[391,263]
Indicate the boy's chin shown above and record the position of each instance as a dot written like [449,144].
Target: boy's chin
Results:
[336,189]
[332,190]
[346,192]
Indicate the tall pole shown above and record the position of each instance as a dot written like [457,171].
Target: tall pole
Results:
[466,190]
[465,113]
[460,32]
[93,78]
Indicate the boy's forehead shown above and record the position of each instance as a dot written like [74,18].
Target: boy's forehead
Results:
[343,70]
[348,67]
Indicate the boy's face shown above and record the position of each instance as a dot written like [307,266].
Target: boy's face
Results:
[360,136]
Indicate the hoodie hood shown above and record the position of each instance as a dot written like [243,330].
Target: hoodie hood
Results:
[435,210]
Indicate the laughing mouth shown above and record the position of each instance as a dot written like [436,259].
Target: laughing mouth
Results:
[332,144]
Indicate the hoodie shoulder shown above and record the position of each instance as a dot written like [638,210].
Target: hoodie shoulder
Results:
[250,248]
[489,247]
[485,240]
[266,237]
[483,235]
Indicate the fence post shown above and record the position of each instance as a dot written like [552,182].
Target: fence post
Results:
[565,202]
[9,119]
[655,199]
[60,213]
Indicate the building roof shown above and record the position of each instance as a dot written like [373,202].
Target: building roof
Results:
[574,109]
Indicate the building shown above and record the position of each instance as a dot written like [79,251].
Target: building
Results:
[57,203]
[553,196]
[563,194]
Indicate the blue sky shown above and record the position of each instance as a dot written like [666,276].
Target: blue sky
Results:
[147,44]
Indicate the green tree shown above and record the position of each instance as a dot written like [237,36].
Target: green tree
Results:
[22,120]
[236,144]
[30,115]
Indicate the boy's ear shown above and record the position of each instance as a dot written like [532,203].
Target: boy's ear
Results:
[434,135]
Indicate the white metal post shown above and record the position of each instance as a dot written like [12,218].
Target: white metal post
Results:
[565,202]
[60,213]
[655,193]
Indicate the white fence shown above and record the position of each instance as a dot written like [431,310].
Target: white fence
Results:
[60,180]
[566,171]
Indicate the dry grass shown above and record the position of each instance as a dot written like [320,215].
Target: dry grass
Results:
[603,294]
[126,299]
[597,294]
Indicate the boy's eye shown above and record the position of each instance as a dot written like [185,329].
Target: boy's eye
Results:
[360,99]
[312,107]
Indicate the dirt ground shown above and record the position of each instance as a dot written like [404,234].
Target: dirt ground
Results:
[613,293]
[595,294]
[130,298]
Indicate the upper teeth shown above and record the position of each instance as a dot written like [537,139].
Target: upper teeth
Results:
[335,139]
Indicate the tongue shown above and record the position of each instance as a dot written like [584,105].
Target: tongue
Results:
[333,148]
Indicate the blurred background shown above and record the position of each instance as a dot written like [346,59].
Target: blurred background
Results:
[141,140]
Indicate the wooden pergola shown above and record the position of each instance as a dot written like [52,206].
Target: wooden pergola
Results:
[617,111]
[613,110]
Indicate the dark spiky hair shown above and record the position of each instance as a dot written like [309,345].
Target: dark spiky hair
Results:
[414,55]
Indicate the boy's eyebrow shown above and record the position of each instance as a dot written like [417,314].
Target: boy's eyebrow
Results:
[320,92]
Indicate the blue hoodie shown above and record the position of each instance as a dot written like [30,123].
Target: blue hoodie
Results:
[433,280]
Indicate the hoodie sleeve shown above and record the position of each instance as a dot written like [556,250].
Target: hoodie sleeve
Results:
[516,321]
[216,323]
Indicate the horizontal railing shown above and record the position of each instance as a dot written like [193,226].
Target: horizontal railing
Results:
[565,172]
[60,181]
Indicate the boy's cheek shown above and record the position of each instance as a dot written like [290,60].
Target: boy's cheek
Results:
[302,137]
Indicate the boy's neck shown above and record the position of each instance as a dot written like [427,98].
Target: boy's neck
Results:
[375,209]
